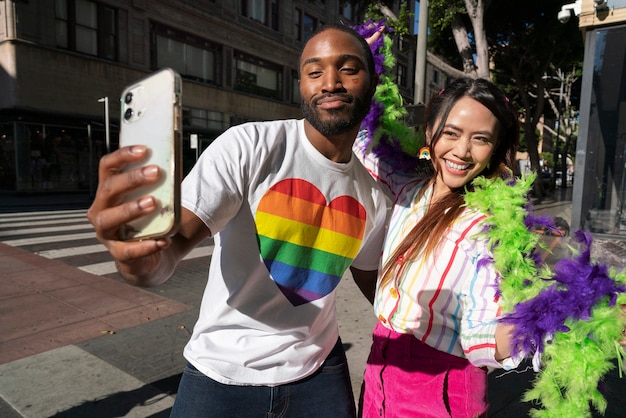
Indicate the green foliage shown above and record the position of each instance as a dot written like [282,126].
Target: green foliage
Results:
[400,25]
[527,40]
[440,40]
[548,157]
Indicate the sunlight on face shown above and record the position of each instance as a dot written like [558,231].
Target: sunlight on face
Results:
[465,146]
[334,82]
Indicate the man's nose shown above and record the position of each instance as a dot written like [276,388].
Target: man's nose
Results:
[332,81]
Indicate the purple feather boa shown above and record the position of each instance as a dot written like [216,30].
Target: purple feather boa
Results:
[387,147]
[578,286]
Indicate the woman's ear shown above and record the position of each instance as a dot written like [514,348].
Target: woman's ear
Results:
[428,135]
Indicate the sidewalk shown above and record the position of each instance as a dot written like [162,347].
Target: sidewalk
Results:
[73,344]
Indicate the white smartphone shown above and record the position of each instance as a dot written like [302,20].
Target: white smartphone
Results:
[151,115]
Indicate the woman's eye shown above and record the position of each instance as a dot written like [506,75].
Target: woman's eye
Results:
[482,139]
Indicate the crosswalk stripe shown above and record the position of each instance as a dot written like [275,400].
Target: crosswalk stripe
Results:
[108,267]
[61,227]
[49,239]
[199,252]
[69,251]
[46,230]
[36,216]
[100,269]
[29,223]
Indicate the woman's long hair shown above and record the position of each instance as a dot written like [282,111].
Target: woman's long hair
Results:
[426,235]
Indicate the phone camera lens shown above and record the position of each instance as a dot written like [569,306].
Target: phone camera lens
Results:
[128,98]
[128,114]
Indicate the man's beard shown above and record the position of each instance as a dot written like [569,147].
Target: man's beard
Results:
[338,121]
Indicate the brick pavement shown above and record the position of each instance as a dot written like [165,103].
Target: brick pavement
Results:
[145,359]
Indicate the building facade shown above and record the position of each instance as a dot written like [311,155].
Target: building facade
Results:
[64,63]
[599,191]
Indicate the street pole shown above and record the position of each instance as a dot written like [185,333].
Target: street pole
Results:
[90,174]
[105,100]
[558,136]
[420,54]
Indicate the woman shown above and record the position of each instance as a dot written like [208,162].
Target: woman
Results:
[460,251]
[437,297]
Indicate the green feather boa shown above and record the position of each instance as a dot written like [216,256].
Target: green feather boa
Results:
[574,362]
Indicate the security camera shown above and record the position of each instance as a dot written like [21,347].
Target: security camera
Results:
[566,11]
[600,5]
[564,16]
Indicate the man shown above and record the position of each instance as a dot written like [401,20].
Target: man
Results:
[290,209]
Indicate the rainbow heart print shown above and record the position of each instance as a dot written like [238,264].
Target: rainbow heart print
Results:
[306,243]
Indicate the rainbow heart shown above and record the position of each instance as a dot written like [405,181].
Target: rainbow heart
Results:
[306,244]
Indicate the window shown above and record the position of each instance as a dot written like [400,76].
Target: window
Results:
[401,75]
[203,119]
[347,11]
[193,58]
[297,22]
[309,24]
[86,27]
[7,163]
[304,25]
[295,88]
[405,43]
[263,11]
[257,76]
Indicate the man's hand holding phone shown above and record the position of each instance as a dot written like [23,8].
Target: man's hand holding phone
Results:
[110,212]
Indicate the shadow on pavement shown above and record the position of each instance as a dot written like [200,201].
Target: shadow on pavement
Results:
[119,404]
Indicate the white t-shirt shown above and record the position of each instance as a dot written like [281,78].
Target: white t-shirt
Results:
[287,223]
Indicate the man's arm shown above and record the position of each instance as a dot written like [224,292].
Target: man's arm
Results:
[366,280]
[147,262]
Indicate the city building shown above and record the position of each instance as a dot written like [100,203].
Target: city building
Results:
[599,191]
[64,64]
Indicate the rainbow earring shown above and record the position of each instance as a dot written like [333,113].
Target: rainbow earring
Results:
[424,153]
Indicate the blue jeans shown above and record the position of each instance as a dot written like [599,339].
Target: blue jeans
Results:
[326,393]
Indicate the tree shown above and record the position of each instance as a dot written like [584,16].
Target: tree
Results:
[527,43]
[559,97]
[524,41]
[518,46]
[379,10]
[464,19]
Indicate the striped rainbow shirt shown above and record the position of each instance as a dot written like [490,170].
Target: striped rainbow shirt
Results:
[444,300]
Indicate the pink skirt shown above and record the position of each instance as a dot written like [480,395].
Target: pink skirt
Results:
[407,378]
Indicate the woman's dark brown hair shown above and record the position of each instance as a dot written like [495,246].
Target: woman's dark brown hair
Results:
[425,236]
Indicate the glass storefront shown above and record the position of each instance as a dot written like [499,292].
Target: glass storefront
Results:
[7,156]
[56,157]
[36,157]
[599,200]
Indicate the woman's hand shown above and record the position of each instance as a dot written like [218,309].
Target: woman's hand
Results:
[376,36]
